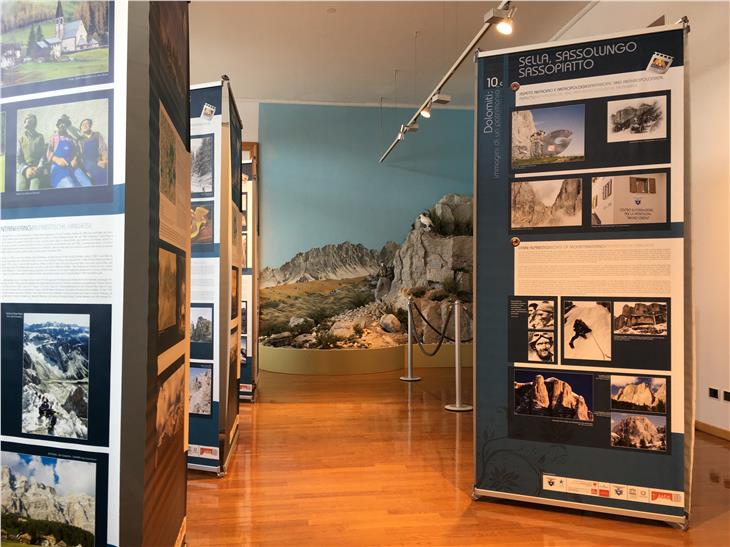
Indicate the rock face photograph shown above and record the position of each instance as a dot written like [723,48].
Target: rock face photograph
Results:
[640,318]
[201,164]
[639,393]
[643,431]
[56,375]
[201,326]
[548,135]
[545,203]
[587,330]
[201,390]
[347,296]
[45,497]
[559,395]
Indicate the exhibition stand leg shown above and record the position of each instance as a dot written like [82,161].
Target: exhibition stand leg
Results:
[458,406]
[409,376]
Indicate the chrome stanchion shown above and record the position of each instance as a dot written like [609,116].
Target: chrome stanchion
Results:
[409,376]
[458,406]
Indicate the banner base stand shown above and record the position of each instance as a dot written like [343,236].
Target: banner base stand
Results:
[411,378]
[205,468]
[459,408]
[232,449]
[679,522]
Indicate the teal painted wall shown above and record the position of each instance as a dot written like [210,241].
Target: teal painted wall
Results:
[321,181]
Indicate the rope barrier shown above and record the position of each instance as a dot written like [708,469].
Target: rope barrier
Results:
[442,334]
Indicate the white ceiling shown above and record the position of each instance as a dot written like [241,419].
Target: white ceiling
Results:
[348,52]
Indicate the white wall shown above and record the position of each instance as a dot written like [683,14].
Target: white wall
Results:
[249,111]
[710,173]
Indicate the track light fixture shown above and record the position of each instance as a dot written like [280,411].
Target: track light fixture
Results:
[426,111]
[402,133]
[502,18]
[441,98]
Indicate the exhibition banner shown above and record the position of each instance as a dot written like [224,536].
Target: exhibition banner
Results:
[583,367]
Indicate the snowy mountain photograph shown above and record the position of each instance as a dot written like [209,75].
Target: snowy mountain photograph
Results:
[55,389]
[587,330]
[47,495]
[639,393]
[201,390]
[201,162]
[642,431]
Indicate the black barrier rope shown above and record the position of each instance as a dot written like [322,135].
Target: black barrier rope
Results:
[442,334]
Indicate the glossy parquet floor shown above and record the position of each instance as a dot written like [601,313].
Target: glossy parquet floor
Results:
[371,461]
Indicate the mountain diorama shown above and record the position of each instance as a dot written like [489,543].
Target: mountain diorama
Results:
[641,395]
[550,397]
[56,378]
[345,295]
[32,511]
[636,431]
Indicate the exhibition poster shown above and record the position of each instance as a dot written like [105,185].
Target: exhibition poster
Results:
[205,231]
[583,367]
[62,218]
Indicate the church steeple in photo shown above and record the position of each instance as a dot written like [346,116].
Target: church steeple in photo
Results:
[59,21]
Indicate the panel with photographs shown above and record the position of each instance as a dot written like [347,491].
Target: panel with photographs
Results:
[59,151]
[244,350]
[201,389]
[234,364]
[532,329]
[202,225]
[202,325]
[244,317]
[171,296]
[48,46]
[202,160]
[631,200]
[594,133]
[57,492]
[235,299]
[55,368]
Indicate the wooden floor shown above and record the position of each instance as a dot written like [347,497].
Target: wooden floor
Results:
[370,461]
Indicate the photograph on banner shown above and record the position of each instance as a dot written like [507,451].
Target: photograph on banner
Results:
[244,251]
[532,329]
[54,492]
[639,431]
[170,408]
[2,152]
[642,334]
[236,150]
[639,393]
[636,119]
[201,389]
[202,162]
[234,367]
[246,171]
[244,212]
[553,394]
[63,361]
[60,150]
[586,330]
[547,203]
[244,317]
[169,65]
[629,199]
[548,135]
[202,228]
[244,350]
[235,300]
[49,46]
[201,331]
[171,296]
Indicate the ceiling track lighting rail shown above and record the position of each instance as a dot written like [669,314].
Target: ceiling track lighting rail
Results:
[501,16]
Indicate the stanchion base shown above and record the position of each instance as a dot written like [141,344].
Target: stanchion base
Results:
[460,408]
[410,378]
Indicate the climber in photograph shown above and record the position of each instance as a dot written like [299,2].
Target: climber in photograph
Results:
[540,347]
[581,330]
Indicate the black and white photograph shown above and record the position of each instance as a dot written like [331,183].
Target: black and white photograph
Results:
[244,350]
[541,347]
[541,314]
[641,118]
[244,251]
[235,301]
[639,431]
[244,317]
[201,389]
[170,413]
[201,229]
[44,495]
[171,300]
[201,325]
[548,135]
[629,199]
[202,160]
[50,45]
[63,146]
[640,318]
[587,330]
[244,212]
[553,394]
[547,203]
[56,375]
[168,157]
[639,393]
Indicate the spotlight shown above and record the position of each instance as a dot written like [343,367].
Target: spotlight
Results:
[441,98]
[412,127]
[502,18]
[426,112]
[402,133]
[505,26]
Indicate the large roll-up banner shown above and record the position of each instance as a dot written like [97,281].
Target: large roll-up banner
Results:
[583,381]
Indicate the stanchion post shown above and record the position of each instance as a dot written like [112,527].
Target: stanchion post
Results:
[409,375]
[458,406]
